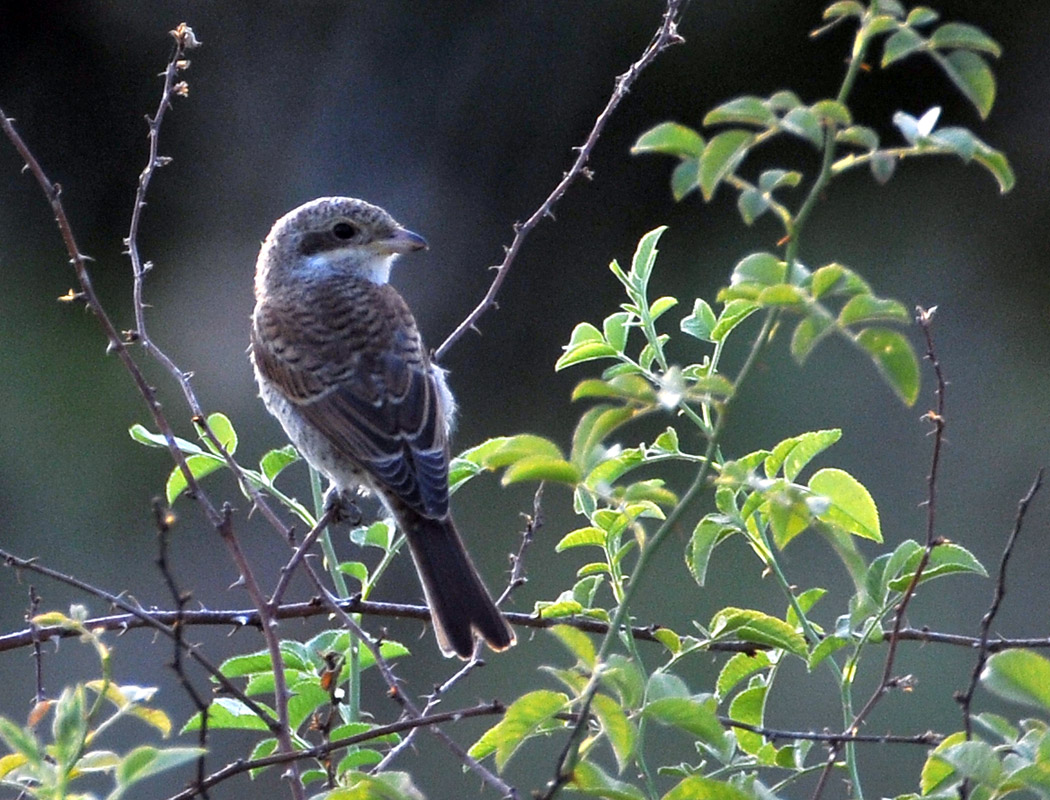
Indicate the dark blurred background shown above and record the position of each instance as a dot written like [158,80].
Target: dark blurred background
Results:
[459,118]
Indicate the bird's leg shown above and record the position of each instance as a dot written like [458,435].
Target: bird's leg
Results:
[341,507]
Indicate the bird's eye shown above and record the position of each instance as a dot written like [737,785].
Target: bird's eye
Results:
[344,230]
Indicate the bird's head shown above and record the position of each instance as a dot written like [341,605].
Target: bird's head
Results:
[334,235]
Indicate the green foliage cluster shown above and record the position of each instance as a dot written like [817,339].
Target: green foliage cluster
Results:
[59,763]
[607,695]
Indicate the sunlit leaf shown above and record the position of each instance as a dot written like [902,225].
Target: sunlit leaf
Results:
[851,507]
[670,138]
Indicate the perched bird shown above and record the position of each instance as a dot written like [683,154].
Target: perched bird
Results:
[340,363]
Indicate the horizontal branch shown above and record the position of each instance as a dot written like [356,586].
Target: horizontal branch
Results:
[773,734]
[238,618]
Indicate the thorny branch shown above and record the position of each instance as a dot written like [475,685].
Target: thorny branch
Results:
[533,522]
[666,36]
[395,692]
[966,698]
[163,519]
[221,519]
[924,317]
[240,767]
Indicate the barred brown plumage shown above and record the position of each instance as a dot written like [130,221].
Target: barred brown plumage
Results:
[340,363]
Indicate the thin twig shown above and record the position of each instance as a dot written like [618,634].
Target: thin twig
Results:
[666,36]
[401,697]
[300,553]
[163,519]
[533,522]
[38,656]
[135,617]
[242,766]
[924,317]
[965,699]
[773,734]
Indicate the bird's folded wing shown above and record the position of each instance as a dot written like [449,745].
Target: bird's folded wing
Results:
[384,415]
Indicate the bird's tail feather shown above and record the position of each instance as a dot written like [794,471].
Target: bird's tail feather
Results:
[459,602]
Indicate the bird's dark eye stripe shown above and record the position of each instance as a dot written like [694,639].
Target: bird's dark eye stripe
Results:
[344,230]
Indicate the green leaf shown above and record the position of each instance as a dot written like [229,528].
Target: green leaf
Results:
[747,110]
[901,45]
[594,426]
[1020,676]
[751,204]
[701,322]
[685,178]
[751,625]
[808,333]
[997,164]
[737,668]
[274,461]
[832,111]
[525,717]
[142,762]
[541,468]
[825,647]
[661,306]
[750,706]
[379,786]
[858,135]
[576,642]
[851,507]
[975,761]
[805,124]
[784,100]
[221,426]
[692,715]
[973,77]
[921,15]
[694,787]
[709,532]
[631,387]
[515,448]
[764,269]
[589,779]
[721,156]
[670,138]
[588,351]
[622,735]
[199,466]
[228,713]
[772,179]
[793,454]
[895,359]
[882,165]
[936,773]
[581,537]
[783,295]
[379,534]
[844,8]
[645,257]
[945,559]
[142,435]
[615,329]
[734,312]
[868,308]
[953,35]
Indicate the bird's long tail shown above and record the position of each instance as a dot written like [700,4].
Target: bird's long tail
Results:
[459,602]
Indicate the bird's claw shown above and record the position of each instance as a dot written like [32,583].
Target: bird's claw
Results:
[341,508]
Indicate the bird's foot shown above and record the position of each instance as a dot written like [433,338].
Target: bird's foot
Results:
[340,507]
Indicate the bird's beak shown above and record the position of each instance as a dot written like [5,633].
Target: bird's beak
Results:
[401,241]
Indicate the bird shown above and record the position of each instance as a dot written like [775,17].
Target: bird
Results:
[339,361]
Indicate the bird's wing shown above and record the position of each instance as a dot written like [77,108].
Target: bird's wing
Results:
[367,386]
